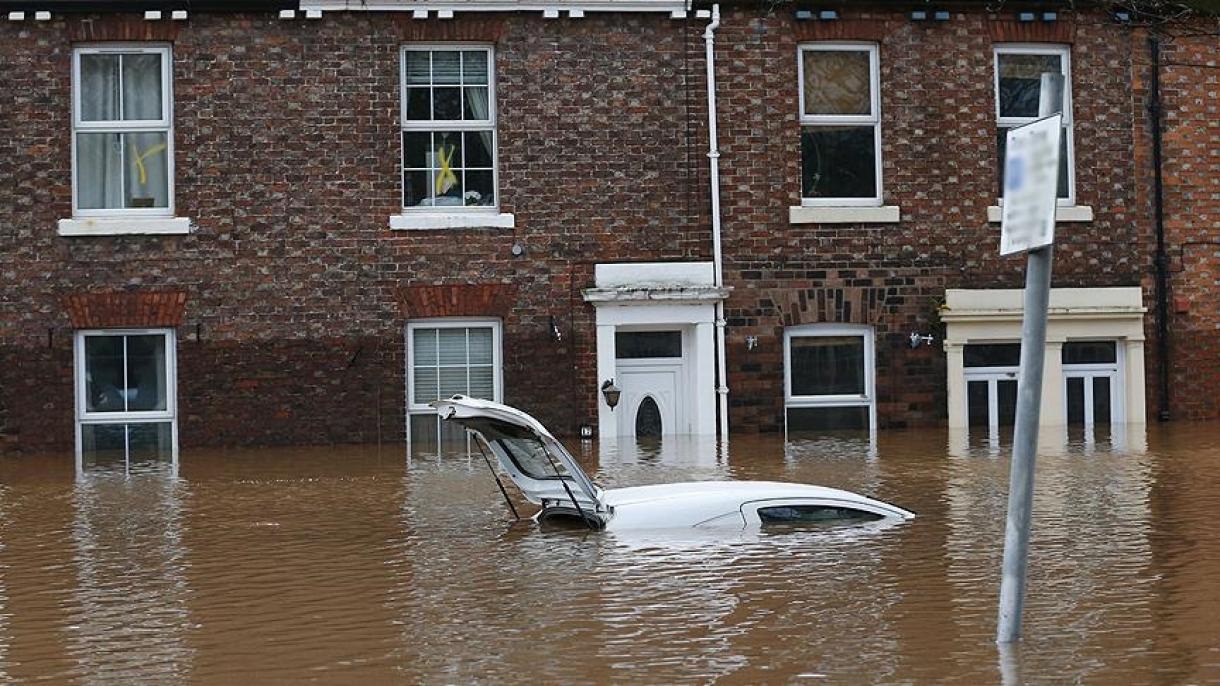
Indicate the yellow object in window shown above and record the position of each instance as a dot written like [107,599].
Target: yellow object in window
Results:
[140,157]
[445,178]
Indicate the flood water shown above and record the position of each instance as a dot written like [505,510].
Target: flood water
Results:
[366,565]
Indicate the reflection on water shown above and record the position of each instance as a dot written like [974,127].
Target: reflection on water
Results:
[358,564]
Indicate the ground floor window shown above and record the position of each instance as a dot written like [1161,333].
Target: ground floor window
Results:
[126,408]
[829,378]
[1092,385]
[446,357]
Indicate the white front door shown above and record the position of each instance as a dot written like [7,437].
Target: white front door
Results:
[651,368]
[650,404]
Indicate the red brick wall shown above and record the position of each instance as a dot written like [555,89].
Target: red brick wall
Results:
[287,156]
[939,166]
[287,153]
[1190,139]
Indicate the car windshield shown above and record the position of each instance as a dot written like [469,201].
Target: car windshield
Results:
[522,447]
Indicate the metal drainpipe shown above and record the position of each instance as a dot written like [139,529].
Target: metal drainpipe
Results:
[1158,205]
[713,154]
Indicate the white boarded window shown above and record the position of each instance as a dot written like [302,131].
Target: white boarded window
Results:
[448,127]
[447,357]
[829,378]
[122,131]
[840,119]
[1018,88]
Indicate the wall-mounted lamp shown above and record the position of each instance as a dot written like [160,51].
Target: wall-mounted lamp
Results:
[915,340]
[611,393]
[751,342]
[555,332]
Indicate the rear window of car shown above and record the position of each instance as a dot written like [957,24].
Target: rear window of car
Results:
[814,514]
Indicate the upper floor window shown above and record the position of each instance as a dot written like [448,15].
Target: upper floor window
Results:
[448,127]
[1018,88]
[122,131]
[840,124]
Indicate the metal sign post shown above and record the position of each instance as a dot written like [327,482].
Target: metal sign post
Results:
[1031,182]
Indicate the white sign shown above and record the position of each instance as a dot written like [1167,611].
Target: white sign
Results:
[1031,185]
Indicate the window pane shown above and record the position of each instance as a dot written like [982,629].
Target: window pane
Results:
[104,387]
[480,345]
[446,103]
[1075,400]
[631,345]
[1090,352]
[474,66]
[475,104]
[426,385]
[446,67]
[451,346]
[447,163]
[424,432]
[146,376]
[1002,145]
[99,171]
[1021,82]
[648,421]
[416,188]
[99,87]
[978,406]
[150,447]
[418,69]
[419,104]
[802,419]
[478,149]
[147,169]
[423,346]
[1006,400]
[142,86]
[1101,400]
[453,381]
[837,82]
[992,355]
[482,383]
[415,148]
[480,188]
[104,447]
[827,365]
[838,162]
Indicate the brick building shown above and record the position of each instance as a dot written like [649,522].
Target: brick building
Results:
[298,223]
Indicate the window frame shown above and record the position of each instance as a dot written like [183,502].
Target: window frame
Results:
[432,125]
[1064,52]
[1091,370]
[497,355]
[873,118]
[867,399]
[168,415]
[164,124]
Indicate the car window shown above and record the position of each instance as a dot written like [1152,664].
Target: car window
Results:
[814,514]
[521,446]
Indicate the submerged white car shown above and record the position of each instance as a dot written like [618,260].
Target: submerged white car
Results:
[547,475]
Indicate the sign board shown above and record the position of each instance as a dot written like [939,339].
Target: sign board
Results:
[1031,185]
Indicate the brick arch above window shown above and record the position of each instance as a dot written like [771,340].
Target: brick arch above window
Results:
[134,309]
[122,27]
[1009,31]
[482,30]
[457,300]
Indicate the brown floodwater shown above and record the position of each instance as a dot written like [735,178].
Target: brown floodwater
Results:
[368,565]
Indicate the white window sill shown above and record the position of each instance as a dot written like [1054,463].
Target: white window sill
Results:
[413,221]
[114,226]
[886,214]
[1066,213]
